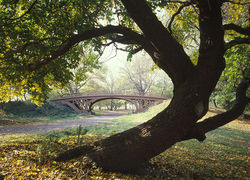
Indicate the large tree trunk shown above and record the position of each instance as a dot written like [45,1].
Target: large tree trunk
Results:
[193,86]
[131,149]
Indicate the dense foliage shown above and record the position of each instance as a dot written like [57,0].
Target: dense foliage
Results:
[27,109]
[32,33]
[238,65]
[186,31]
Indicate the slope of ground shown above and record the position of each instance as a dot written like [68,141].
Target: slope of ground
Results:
[20,112]
[223,155]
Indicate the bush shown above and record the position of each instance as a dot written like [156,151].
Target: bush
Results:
[27,109]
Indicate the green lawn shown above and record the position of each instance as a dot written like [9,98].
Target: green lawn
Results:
[13,113]
[17,120]
[223,155]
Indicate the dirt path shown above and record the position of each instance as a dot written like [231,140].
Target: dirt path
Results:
[45,127]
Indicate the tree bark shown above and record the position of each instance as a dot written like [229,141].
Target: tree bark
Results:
[214,103]
[193,86]
[131,149]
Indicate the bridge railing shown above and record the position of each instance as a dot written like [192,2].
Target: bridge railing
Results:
[111,94]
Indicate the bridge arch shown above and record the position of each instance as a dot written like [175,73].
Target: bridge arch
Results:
[121,98]
[83,104]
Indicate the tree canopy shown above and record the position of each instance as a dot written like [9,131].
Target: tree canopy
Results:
[42,40]
[37,52]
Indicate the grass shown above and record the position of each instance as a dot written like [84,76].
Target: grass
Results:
[223,155]
[25,113]
[117,125]
[12,120]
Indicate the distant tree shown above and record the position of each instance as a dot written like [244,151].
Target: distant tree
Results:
[140,75]
[163,85]
[40,45]
[81,74]
[102,82]
[123,86]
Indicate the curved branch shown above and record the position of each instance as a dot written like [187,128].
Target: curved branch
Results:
[123,40]
[237,42]
[177,67]
[238,29]
[14,19]
[89,34]
[137,50]
[216,121]
[201,128]
[178,12]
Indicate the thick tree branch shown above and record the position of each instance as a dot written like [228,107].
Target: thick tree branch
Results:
[201,128]
[237,41]
[238,29]
[75,39]
[14,19]
[211,31]
[242,100]
[123,40]
[134,51]
[211,60]
[137,50]
[178,67]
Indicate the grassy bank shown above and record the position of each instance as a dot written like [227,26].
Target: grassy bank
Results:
[20,112]
[119,124]
[223,155]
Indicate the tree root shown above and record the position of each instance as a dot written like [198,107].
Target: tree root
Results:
[75,153]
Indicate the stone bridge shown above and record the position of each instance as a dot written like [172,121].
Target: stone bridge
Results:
[84,104]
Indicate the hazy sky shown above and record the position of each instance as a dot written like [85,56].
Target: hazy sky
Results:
[114,60]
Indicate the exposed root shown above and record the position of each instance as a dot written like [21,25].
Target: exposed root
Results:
[75,153]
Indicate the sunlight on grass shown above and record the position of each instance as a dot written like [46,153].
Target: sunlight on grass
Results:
[16,120]
[223,155]
[16,113]
[128,121]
